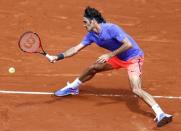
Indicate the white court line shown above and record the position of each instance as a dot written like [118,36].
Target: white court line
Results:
[26,92]
[119,95]
[92,94]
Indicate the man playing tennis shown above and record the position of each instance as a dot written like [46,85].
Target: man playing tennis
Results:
[124,53]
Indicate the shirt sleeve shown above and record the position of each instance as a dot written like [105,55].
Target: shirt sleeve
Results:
[87,40]
[117,33]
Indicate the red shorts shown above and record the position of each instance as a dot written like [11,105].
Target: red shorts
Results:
[133,66]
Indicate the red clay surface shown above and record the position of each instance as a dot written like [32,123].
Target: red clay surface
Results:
[154,24]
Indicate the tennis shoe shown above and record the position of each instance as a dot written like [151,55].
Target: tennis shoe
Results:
[67,90]
[163,119]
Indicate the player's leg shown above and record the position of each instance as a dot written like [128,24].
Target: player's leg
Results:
[134,72]
[89,73]
[135,82]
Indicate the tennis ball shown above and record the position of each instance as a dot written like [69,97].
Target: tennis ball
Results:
[12,70]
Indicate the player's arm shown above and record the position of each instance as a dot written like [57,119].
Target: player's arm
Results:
[68,53]
[126,44]
[72,51]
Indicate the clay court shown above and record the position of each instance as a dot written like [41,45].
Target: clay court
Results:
[105,103]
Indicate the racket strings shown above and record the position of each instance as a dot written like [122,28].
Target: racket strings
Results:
[30,42]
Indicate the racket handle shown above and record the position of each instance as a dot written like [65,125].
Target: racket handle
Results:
[43,53]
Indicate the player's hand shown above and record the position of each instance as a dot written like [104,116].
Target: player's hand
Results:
[104,58]
[51,58]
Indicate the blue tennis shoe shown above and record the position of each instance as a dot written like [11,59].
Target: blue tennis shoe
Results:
[67,90]
[163,119]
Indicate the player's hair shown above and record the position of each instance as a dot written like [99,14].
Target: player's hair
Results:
[93,13]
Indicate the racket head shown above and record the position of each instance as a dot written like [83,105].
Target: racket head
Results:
[30,42]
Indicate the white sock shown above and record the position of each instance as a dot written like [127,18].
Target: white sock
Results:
[76,83]
[156,108]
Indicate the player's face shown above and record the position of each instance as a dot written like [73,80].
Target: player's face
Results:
[88,24]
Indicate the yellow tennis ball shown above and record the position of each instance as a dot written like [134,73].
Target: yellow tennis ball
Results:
[12,70]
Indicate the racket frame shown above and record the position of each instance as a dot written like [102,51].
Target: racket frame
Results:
[40,45]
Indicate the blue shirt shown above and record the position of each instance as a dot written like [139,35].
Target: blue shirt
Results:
[110,37]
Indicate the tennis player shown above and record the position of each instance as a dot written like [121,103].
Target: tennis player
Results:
[124,53]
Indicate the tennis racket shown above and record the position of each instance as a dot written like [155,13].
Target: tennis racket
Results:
[30,42]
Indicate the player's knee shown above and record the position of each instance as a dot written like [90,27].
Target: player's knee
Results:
[137,91]
[92,69]
[95,68]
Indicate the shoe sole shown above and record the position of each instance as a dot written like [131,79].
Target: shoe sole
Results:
[66,94]
[164,121]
